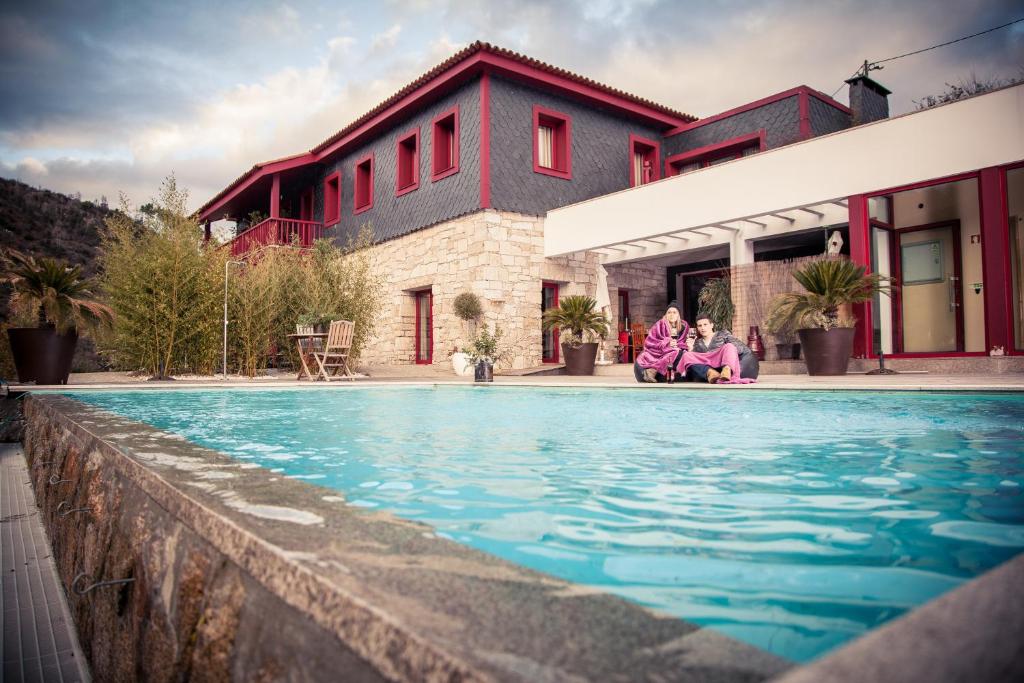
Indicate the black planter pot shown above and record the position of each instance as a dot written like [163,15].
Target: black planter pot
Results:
[483,372]
[788,351]
[41,355]
[579,360]
[827,352]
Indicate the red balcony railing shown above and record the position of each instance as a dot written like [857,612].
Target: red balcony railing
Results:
[277,231]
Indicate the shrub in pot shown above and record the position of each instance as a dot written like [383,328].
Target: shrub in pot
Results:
[577,320]
[62,302]
[484,352]
[467,308]
[826,335]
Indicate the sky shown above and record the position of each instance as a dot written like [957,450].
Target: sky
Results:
[104,98]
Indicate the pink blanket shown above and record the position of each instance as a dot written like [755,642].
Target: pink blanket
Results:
[659,354]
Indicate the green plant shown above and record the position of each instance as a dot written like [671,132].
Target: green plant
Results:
[467,306]
[829,284]
[309,319]
[486,347]
[575,317]
[716,304]
[55,292]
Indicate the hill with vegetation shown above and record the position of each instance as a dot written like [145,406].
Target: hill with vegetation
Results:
[44,223]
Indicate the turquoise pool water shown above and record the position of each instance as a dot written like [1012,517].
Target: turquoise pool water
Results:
[794,521]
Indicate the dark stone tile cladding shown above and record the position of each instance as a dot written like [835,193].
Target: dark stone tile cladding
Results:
[432,202]
[780,120]
[825,118]
[599,148]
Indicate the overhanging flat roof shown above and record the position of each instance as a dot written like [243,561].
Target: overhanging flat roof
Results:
[751,196]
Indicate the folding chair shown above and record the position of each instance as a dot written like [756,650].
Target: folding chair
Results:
[335,352]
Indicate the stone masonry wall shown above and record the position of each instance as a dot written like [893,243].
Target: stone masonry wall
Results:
[497,255]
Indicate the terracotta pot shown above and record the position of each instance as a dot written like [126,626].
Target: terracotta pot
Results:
[579,360]
[827,352]
[41,355]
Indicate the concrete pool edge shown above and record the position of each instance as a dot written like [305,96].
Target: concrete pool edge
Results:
[396,601]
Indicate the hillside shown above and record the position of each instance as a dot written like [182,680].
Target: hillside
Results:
[45,223]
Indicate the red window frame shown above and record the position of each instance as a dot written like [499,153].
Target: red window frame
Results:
[332,198]
[553,332]
[732,148]
[651,151]
[407,162]
[561,143]
[362,195]
[428,358]
[444,133]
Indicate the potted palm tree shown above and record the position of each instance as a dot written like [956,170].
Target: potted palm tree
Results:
[577,320]
[62,302]
[826,333]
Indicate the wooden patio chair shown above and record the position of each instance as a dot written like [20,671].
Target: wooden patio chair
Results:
[638,335]
[334,356]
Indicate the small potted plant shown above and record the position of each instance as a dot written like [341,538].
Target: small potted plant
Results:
[826,335]
[579,326]
[62,302]
[484,352]
[468,309]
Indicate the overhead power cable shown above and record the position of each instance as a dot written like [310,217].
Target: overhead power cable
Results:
[872,66]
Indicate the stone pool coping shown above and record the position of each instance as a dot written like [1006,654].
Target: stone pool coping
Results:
[410,605]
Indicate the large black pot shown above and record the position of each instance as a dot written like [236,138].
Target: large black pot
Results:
[827,352]
[483,372]
[579,360]
[41,355]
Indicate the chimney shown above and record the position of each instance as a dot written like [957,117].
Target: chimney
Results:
[869,100]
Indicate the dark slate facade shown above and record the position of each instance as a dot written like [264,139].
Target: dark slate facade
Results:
[599,147]
[780,121]
[431,203]
[825,118]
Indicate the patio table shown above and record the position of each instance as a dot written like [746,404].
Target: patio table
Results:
[305,342]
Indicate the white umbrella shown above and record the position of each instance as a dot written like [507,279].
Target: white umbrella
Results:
[604,302]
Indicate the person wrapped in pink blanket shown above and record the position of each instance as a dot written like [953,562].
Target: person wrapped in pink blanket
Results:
[668,353]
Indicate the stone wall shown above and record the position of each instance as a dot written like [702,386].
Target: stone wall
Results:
[497,255]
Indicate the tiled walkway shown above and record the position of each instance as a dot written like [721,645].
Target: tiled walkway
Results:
[39,641]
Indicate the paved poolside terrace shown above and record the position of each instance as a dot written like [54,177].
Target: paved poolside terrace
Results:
[969,634]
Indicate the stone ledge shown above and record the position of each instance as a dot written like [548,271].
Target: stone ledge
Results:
[246,575]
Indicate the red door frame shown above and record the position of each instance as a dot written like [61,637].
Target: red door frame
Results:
[896,266]
[306,205]
[553,286]
[995,252]
[429,295]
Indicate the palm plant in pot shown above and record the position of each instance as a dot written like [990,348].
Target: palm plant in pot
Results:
[825,332]
[577,320]
[62,302]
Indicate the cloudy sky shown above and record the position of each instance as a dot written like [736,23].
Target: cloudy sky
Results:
[108,97]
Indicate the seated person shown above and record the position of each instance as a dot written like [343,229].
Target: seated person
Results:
[709,340]
[663,348]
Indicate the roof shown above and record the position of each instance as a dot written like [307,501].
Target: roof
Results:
[500,58]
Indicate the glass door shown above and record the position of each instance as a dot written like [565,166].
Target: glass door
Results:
[930,315]
[549,339]
[424,327]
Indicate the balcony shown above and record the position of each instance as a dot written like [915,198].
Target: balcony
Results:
[284,232]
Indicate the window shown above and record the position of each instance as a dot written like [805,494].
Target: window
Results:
[424,327]
[332,199]
[549,339]
[445,151]
[712,155]
[643,161]
[552,140]
[407,171]
[363,194]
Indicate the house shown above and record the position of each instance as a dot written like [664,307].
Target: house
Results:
[502,175]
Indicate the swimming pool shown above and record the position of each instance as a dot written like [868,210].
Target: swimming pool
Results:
[791,520]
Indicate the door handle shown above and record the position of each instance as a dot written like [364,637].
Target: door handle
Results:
[952,292]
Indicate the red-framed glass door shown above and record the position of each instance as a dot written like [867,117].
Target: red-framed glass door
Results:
[549,339]
[424,327]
